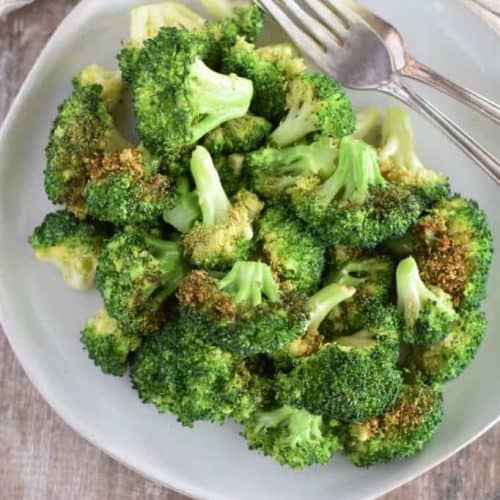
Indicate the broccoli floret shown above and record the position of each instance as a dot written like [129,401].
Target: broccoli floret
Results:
[272,171]
[177,371]
[82,131]
[186,209]
[400,164]
[351,378]
[225,233]
[439,363]
[315,104]
[137,272]
[230,170]
[292,252]
[286,58]
[110,81]
[369,126]
[401,431]
[453,246]
[124,188]
[355,206]
[240,135]
[293,437]
[427,312]
[244,312]
[107,344]
[70,244]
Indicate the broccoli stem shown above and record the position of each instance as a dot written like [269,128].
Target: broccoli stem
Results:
[354,273]
[357,171]
[324,301]
[213,201]
[299,122]
[248,281]
[219,98]
[186,210]
[363,338]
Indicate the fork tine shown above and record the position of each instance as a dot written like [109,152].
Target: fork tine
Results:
[346,9]
[329,17]
[313,26]
[307,44]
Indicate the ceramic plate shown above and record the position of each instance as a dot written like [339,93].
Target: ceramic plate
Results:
[42,317]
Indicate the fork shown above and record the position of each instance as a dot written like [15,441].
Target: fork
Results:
[339,36]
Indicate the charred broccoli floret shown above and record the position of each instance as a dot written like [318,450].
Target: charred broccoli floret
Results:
[244,312]
[70,244]
[186,209]
[401,431]
[315,104]
[107,344]
[137,272]
[225,233]
[296,256]
[355,206]
[293,437]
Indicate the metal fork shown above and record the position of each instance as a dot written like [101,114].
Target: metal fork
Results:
[340,37]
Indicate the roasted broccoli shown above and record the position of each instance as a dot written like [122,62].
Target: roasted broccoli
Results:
[315,104]
[70,244]
[186,209]
[355,206]
[107,344]
[225,233]
[401,431]
[230,170]
[244,312]
[137,272]
[293,437]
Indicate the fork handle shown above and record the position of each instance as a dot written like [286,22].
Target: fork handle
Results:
[484,159]
[419,71]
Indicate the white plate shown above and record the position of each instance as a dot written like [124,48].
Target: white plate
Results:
[42,317]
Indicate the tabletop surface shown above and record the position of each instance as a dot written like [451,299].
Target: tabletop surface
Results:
[41,458]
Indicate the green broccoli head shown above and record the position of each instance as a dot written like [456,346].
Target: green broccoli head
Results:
[295,256]
[401,431]
[285,57]
[293,437]
[107,344]
[137,272]
[315,104]
[178,372]
[244,312]
[124,189]
[177,98]
[70,244]
[355,206]
[272,171]
[427,312]
[240,135]
[225,233]
[230,170]
[82,131]
[186,209]
[400,164]
[439,363]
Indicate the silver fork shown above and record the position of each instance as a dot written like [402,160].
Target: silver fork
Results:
[339,36]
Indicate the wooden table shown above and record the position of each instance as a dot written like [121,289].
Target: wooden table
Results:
[42,459]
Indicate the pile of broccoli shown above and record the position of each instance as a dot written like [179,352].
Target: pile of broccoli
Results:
[263,253]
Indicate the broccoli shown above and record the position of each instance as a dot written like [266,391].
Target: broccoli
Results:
[240,135]
[230,170]
[292,252]
[177,97]
[272,171]
[427,312]
[82,131]
[285,56]
[453,246]
[186,209]
[137,272]
[110,81]
[107,344]
[293,437]
[244,312]
[222,9]
[400,164]
[125,188]
[225,233]
[351,378]
[177,371]
[439,363]
[401,431]
[315,104]
[355,206]
[369,126]
[70,244]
